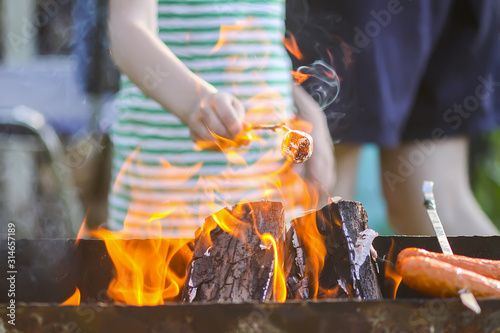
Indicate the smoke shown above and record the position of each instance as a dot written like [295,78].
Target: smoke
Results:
[322,84]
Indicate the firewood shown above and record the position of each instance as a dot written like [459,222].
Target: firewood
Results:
[349,270]
[231,262]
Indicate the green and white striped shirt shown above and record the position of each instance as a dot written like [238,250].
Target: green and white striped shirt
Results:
[158,172]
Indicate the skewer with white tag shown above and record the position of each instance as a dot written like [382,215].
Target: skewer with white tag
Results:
[466,296]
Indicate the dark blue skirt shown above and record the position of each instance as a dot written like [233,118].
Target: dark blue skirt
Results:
[409,70]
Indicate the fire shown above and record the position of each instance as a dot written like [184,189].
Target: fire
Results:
[330,293]
[228,31]
[74,300]
[229,222]
[279,283]
[148,271]
[300,77]
[82,232]
[225,146]
[152,271]
[390,269]
[292,47]
[314,246]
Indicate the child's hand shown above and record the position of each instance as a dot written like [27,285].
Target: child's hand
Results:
[217,123]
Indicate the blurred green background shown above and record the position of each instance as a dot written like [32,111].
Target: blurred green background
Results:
[485,173]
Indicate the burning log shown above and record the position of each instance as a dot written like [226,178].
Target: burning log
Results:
[234,257]
[337,261]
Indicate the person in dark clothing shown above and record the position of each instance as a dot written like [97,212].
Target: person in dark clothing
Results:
[417,78]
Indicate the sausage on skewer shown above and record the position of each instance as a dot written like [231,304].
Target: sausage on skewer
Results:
[440,279]
[486,267]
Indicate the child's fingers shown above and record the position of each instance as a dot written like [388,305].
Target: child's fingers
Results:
[211,121]
[239,108]
[229,112]
[242,137]
[200,134]
[218,123]
[206,137]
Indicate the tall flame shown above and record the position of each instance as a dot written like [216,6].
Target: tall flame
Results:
[148,271]
[314,246]
[279,283]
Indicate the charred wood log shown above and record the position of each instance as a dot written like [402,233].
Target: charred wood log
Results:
[231,262]
[344,268]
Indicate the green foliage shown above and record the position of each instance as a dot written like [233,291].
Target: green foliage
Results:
[485,174]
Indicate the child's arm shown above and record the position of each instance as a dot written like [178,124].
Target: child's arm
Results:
[320,168]
[148,62]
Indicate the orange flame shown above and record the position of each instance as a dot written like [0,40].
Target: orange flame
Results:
[300,77]
[292,47]
[330,293]
[227,31]
[314,246]
[229,222]
[152,271]
[145,272]
[148,271]
[82,232]
[225,144]
[279,283]
[390,269]
[74,299]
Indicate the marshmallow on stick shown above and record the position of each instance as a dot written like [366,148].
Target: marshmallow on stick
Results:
[296,146]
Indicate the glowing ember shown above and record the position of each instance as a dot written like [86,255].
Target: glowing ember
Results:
[297,146]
